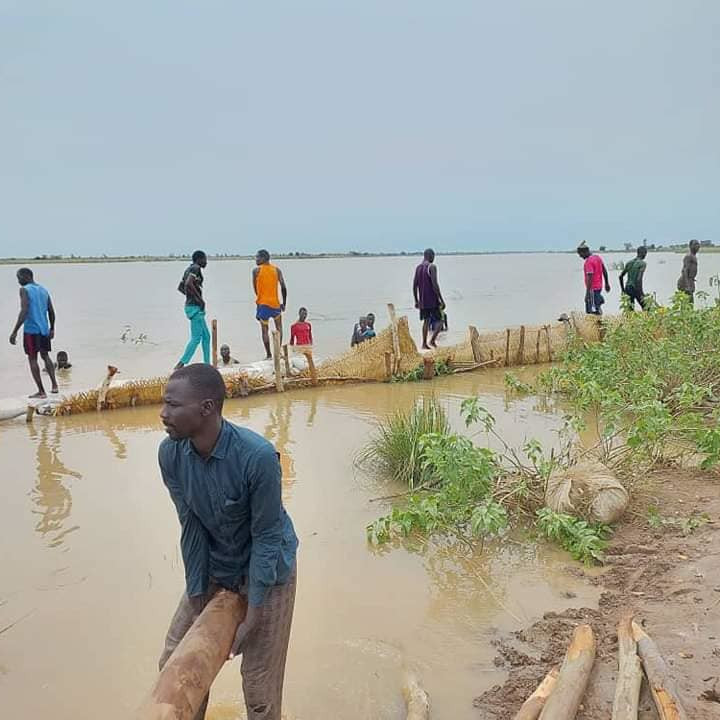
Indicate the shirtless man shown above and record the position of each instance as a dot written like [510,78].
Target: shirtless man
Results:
[686,282]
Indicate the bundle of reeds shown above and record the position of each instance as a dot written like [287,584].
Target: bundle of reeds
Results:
[367,360]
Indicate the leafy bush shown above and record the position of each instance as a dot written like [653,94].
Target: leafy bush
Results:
[584,541]
[393,452]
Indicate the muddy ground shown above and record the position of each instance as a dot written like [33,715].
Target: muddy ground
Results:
[672,583]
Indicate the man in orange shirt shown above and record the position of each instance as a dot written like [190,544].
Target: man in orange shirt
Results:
[266,278]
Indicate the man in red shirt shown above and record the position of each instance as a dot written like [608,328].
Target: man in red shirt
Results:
[301,331]
[594,272]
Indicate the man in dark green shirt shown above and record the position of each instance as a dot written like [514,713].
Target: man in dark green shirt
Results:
[635,271]
[226,484]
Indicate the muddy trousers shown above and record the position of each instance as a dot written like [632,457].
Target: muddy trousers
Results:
[263,652]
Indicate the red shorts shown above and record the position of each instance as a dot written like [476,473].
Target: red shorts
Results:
[35,344]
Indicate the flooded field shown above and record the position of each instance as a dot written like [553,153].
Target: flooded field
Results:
[92,573]
[98,304]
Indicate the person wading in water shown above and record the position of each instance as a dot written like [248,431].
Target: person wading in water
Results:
[428,298]
[226,484]
[191,286]
[635,272]
[265,280]
[37,318]
[594,272]
[686,282]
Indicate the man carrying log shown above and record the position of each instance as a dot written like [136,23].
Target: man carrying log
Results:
[225,482]
[428,298]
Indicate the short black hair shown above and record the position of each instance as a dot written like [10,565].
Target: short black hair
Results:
[429,254]
[264,254]
[198,255]
[302,308]
[62,355]
[205,380]
[25,272]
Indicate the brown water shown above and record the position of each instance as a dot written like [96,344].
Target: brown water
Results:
[96,302]
[92,573]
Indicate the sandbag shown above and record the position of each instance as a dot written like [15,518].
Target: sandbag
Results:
[587,489]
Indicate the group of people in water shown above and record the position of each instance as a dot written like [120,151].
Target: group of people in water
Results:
[595,276]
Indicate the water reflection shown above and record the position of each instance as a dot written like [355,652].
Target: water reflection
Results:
[52,498]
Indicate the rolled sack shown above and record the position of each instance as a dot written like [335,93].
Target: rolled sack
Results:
[182,684]
[10,409]
[587,489]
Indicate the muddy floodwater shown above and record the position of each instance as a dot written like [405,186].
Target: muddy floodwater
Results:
[91,570]
[99,304]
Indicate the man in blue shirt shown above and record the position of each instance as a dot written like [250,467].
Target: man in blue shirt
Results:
[226,484]
[37,318]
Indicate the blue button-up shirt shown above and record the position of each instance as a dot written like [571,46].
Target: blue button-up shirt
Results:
[234,526]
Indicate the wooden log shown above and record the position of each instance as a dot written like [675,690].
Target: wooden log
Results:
[388,365]
[475,343]
[532,707]
[521,347]
[29,413]
[548,343]
[395,337]
[507,347]
[662,686]
[311,366]
[276,361]
[537,348]
[627,690]
[214,336]
[564,701]
[428,368]
[183,683]
[286,359]
[416,699]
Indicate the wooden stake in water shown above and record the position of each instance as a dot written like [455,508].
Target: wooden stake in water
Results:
[276,361]
[311,366]
[286,358]
[395,337]
[475,343]
[521,346]
[214,342]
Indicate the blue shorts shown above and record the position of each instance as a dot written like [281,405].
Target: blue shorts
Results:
[265,312]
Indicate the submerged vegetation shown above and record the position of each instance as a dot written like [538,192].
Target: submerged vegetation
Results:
[649,393]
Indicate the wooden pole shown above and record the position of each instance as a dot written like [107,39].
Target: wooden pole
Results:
[311,366]
[548,343]
[213,331]
[475,343]
[627,690]
[565,699]
[416,699]
[388,365]
[521,347]
[532,707]
[276,361]
[507,347]
[428,368]
[286,358]
[537,348]
[103,391]
[395,337]
[29,413]
[183,683]
[662,686]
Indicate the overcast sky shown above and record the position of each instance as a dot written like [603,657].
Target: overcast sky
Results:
[164,125]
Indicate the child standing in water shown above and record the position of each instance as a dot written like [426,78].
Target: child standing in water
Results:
[301,331]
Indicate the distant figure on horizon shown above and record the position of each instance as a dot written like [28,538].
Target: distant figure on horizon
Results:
[301,331]
[37,318]
[428,298]
[686,282]
[191,286]
[226,358]
[265,281]
[359,331]
[635,272]
[594,272]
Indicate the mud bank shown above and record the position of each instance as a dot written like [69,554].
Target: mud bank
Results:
[671,582]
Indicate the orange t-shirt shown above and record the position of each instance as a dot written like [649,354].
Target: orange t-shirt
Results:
[266,286]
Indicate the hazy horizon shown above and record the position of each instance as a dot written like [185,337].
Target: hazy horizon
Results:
[160,127]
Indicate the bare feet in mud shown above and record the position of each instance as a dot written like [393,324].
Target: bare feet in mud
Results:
[55,390]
